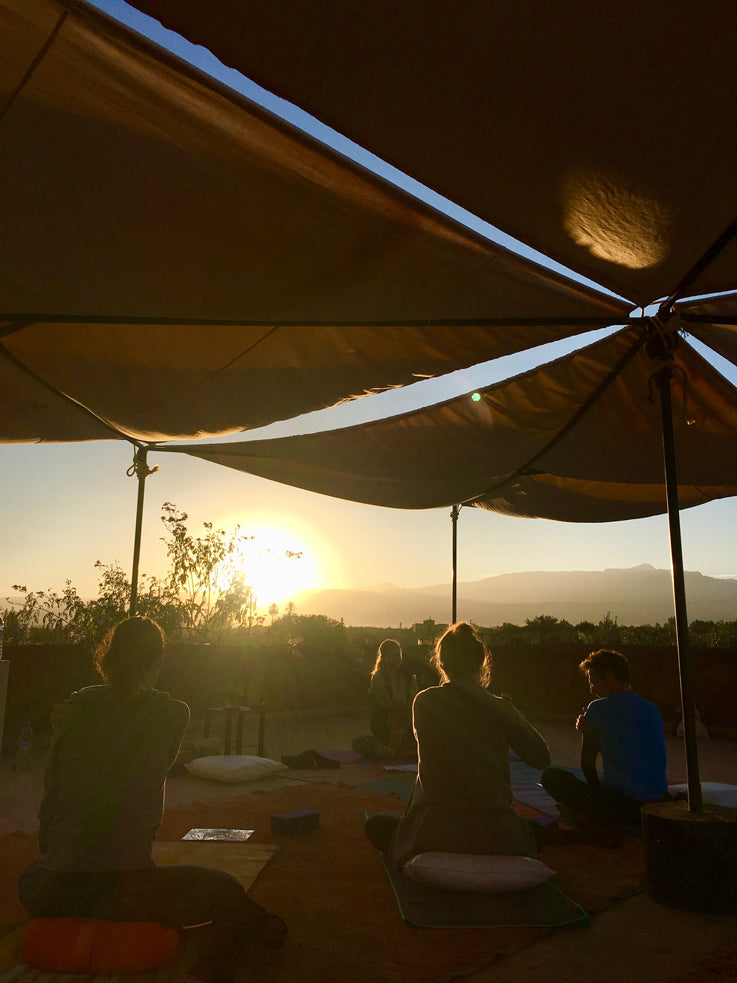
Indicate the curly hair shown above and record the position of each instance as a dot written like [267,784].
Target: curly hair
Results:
[128,651]
[604,661]
[460,652]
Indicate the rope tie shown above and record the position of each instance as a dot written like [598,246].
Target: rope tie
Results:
[140,467]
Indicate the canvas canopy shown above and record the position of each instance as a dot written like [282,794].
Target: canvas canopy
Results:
[578,439]
[600,133]
[177,262]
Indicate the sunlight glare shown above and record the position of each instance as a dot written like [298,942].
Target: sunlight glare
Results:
[274,576]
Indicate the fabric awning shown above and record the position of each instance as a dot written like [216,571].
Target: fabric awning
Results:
[180,263]
[578,439]
[600,133]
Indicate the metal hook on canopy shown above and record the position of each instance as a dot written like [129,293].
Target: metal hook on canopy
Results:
[141,470]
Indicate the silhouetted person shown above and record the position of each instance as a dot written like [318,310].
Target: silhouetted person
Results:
[102,805]
[462,799]
[392,691]
[627,732]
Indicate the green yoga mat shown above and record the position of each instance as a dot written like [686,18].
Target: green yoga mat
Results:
[400,785]
[543,906]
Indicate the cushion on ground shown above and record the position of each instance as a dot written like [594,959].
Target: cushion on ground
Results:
[713,793]
[234,767]
[476,872]
[90,946]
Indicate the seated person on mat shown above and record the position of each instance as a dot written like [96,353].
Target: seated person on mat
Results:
[628,733]
[103,802]
[462,798]
[392,689]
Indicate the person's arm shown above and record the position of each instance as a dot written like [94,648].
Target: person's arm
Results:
[589,753]
[380,693]
[180,720]
[523,739]
[48,802]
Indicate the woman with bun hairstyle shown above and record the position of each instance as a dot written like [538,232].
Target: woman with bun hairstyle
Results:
[103,801]
[462,798]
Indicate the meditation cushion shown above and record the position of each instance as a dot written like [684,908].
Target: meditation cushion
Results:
[476,872]
[90,946]
[234,767]
[713,793]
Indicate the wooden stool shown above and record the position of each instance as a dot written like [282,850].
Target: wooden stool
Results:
[240,714]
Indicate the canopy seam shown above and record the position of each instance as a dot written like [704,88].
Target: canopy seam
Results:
[33,66]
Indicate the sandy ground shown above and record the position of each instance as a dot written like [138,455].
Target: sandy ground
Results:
[634,940]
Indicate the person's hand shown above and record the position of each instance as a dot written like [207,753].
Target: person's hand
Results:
[582,724]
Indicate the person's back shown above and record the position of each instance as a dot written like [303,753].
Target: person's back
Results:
[461,801]
[632,745]
[464,734]
[105,778]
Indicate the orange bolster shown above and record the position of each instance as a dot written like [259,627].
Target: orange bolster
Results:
[91,946]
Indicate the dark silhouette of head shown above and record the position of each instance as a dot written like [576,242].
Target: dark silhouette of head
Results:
[460,652]
[129,656]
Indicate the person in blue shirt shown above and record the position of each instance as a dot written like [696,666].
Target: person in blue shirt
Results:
[627,732]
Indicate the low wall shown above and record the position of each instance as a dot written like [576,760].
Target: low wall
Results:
[543,679]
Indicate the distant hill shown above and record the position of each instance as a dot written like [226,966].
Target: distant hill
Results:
[635,596]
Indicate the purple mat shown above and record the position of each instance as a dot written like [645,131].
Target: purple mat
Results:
[345,757]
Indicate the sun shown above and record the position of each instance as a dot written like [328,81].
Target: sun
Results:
[278,562]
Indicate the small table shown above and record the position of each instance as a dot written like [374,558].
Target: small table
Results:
[240,714]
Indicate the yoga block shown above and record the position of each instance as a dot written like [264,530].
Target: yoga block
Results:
[298,821]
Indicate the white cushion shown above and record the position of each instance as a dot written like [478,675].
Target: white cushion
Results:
[476,872]
[713,793]
[234,767]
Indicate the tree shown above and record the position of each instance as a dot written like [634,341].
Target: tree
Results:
[47,617]
[212,592]
[273,612]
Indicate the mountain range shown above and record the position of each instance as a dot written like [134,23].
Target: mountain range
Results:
[636,596]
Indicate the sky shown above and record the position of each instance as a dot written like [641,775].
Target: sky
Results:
[64,507]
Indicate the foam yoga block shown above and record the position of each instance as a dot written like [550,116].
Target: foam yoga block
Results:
[298,821]
[90,946]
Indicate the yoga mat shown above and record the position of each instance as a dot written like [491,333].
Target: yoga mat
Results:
[244,861]
[345,757]
[526,787]
[543,906]
[537,797]
[400,785]
[522,774]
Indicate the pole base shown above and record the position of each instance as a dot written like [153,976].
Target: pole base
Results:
[691,857]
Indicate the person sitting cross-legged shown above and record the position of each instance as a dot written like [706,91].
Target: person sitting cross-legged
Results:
[627,732]
[112,748]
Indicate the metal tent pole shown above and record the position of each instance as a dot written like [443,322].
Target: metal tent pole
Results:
[141,470]
[662,380]
[454,512]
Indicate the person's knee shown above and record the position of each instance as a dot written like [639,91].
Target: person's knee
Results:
[380,829]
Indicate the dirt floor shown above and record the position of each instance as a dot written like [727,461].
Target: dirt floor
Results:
[633,940]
